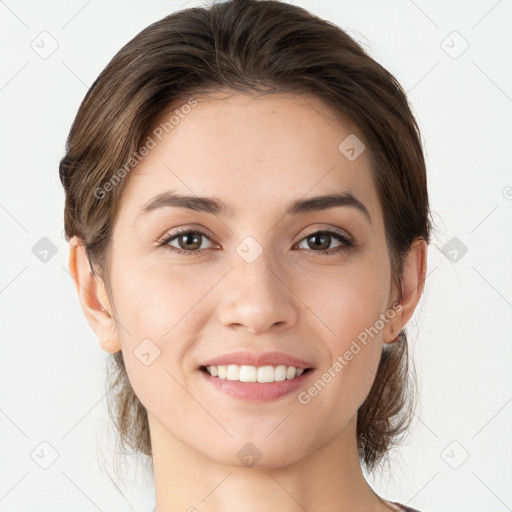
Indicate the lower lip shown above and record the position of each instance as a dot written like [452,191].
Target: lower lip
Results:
[256,391]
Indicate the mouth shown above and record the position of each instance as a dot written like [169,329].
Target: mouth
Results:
[255,374]
[262,383]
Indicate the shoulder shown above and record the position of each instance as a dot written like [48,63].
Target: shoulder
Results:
[405,508]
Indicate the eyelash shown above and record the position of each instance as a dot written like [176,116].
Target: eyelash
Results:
[346,243]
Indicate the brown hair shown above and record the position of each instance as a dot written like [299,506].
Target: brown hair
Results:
[249,46]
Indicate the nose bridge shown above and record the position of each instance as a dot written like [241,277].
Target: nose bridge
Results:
[255,293]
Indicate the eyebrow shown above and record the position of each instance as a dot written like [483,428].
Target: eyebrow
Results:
[215,206]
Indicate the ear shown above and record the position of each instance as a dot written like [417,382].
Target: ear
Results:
[413,282]
[93,297]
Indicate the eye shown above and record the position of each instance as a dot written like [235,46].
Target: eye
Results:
[188,241]
[321,240]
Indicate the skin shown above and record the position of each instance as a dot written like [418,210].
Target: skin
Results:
[256,154]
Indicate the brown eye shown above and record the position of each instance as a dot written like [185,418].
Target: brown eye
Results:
[189,241]
[320,241]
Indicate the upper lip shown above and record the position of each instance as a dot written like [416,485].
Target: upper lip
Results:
[244,358]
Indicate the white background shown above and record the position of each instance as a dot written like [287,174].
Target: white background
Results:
[51,367]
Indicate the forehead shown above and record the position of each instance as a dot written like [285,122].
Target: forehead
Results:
[247,150]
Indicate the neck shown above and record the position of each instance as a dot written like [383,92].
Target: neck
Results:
[329,479]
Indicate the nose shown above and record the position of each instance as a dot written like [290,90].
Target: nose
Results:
[257,297]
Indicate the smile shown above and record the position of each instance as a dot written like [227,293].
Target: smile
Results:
[261,374]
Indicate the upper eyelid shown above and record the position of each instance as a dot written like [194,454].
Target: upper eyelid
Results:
[343,233]
[183,231]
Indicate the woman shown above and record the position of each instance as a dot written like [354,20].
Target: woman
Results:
[248,219]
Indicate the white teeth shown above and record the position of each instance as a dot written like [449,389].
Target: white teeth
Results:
[290,372]
[247,373]
[260,374]
[233,372]
[266,374]
[280,372]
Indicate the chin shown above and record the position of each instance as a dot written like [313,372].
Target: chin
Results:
[261,455]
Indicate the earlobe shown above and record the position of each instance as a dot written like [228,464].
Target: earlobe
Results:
[93,297]
[413,283]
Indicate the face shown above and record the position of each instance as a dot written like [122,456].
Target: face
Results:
[251,276]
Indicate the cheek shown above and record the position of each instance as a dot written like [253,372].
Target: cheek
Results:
[348,307]
[346,300]
[160,315]
[159,303]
